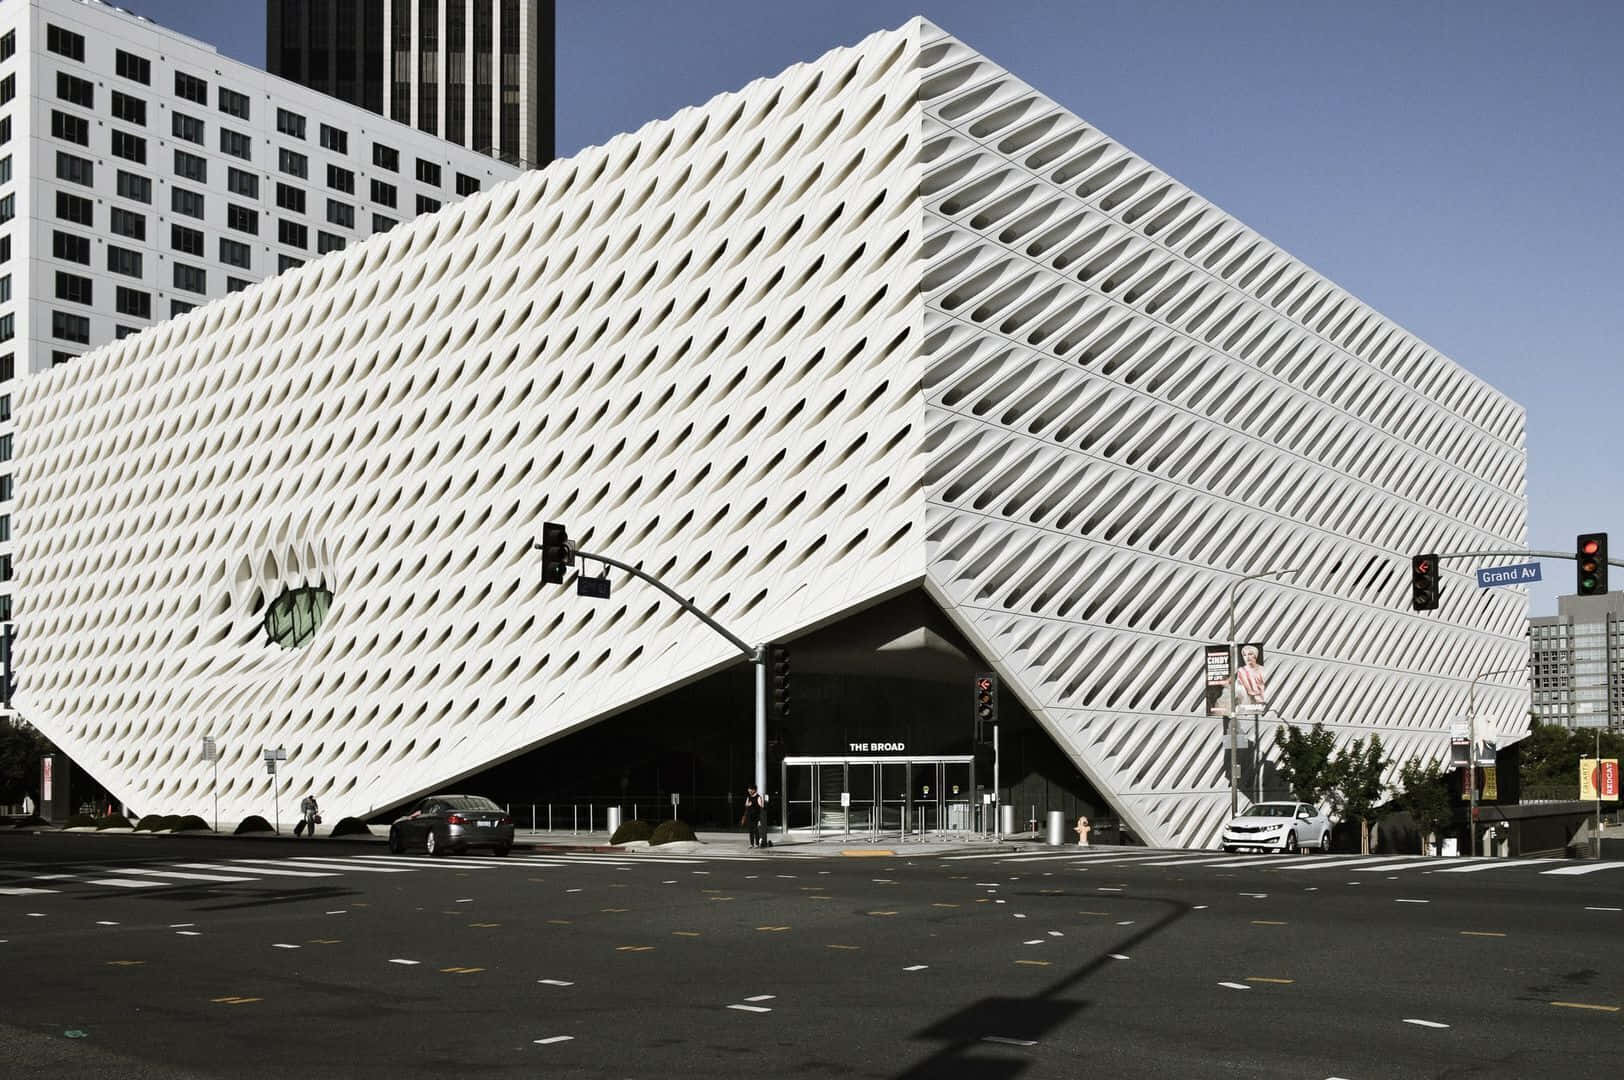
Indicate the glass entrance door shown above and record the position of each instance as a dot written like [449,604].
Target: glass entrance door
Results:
[893,782]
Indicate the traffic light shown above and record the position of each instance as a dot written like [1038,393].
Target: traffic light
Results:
[986,705]
[778,680]
[555,553]
[1424,582]
[1590,556]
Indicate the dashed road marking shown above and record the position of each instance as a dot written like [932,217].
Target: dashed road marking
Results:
[882,913]
[751,1008]
[235,1000]
[461,970]
[284,945]
[917,967]
[685,933]
[1406,900]
[1034,963]
[1235,986]
[554,982]
[1267,979]
[553,1039]
[1604,909]
[844,948]
[1481,933]
[483,925]
[1117,956]
[1267,922]
[408,963]
[634,948]
[188,933]
[1425,1023]
[1584,1005]
[125,963]
[1004,1040]
[772,929]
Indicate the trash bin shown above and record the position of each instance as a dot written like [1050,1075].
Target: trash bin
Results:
[1057,828]
[1006,819]
[612,820]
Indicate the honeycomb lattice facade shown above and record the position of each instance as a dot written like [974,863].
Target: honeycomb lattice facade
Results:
[890,319]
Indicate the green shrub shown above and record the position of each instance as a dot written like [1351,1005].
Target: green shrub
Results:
[150,823]
[670,832]
[192,821]
[351,827]
[253,823]
[632,830]
[81,821]
[112,821]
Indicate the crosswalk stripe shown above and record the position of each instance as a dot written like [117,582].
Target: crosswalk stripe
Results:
[325,864]
[1495,864]
[1255,860]
[255,870]
[125,883]
[1340,862]
[416,864]
[25,892]
[174,874]
[1590,869]
[1420,863]
[1191,862]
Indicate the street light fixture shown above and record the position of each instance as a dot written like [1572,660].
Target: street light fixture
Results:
[1234,721]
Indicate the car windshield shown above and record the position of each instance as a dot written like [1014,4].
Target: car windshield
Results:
[471,802]
[1271,809]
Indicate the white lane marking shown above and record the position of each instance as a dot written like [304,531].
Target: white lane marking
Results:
[1425,1023]
[125,883]
[314,863]
[553,1039]
[1495,864]
[256,870]
[189,933]
[1199,907]
[673,881]
[572,890]
[993,884]
[1190,862]
[1604,909]
[917,967]
[280,945]
[1408,864]
[1117,956]
[408,963]
[25,892]
[176,874]
[1340,861]
[1406,900]
[1018,915]
[1585,869]
[1125,922]
[554,982]
[1034,941]
[1255,895]
[1235,985]
[1004,1040]
[105,922]
[751,1008]
[1056,933]
[339,912]
[36,914]
[1252,861]
[761,997]
[466,900]
[178,925]
[427,864]
[1103,888]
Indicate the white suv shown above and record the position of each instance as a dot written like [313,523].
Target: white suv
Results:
[1281,827]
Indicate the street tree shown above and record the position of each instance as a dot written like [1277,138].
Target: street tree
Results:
[1424,794]
[1357,778]
[1306,762]
[20,748]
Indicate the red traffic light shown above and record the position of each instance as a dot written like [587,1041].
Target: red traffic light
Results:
[983,684]
[1423,566]
[1589,547]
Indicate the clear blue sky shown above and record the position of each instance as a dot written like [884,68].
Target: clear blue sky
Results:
[1455,164]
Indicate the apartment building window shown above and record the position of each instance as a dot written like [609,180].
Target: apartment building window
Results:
[5,169]
[326,241]
[5,407]
[334,139]
[292,233]
[177,308]
[8,362]
[289,197]
[290,123]
[182,201]
[428,173]
[187,241]
[8,46]
[73,208]
[385,157]
[242,183]
[466,185]
[234,254]
[75,129]
[120,332]
[135,68]
[236,144]
[131,186]
[125,223]
[123,261]
[74,288]
[5,289]
[380,223]
[8,208]
[76,91]
[8,329]
[131,110]
[191,278]
[233,103]
[7,492]
[186,127]
[341,213]
[75,170]
[383,193]
[70,247]
[242,219]
[8,89]
[191,167]
[341,179]
[426,205]
[5,249]
[134,302]
[191,88]
[293,163]
[69,328]
[284,263]
[5,455]
[5,130]
[65,42]
[130,147]
[236,284]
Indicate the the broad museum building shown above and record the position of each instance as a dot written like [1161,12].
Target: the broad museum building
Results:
[889,359]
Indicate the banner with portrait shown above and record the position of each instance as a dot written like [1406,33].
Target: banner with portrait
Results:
[1251,681]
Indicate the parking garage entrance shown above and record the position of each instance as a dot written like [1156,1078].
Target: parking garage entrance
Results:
[873,796]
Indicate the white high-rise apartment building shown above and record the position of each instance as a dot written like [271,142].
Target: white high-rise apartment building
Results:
[142,174]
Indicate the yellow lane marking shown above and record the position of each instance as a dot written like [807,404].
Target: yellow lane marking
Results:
[944,905]
[772,929]
[1266,979]
[1051,892]
[235,1000]
[358,904]
[958,877]
[850,948]
[634,948]
[1583,1005]
[719,898]
[820,898]
[1034,963]
[882,913]
[685,933]
[536,879]
[460,970]
[868,853]
[614,910]
[484,925]
[1267,922]
[983,900]
[125,963]
[1093,913]
[710,890]
[559,922]
[1481,933]
[324,941]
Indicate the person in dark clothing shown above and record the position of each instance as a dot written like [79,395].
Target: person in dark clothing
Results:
[755,805]
[309,817]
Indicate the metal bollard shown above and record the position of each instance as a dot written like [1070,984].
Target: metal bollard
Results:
[576,811]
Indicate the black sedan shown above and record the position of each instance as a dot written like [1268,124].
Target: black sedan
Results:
[445,823]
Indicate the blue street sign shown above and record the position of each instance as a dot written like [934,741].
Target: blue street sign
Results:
[1490,577]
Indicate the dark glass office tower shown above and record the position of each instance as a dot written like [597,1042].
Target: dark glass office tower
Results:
[478,73]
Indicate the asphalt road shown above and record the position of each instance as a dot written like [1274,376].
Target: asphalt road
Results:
[333,960]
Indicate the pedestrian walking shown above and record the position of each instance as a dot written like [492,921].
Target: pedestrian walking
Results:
[309,816]
[755,805]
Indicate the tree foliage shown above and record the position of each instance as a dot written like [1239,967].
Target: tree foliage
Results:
[1424,794]
[1306,762]
[20,749]
[1551,753]
[1357,784]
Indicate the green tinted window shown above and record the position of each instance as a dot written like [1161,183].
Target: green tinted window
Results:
[294,617]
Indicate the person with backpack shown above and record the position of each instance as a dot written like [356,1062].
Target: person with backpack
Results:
[755,815]
[309,817]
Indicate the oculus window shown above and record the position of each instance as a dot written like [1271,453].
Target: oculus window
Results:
[294,617]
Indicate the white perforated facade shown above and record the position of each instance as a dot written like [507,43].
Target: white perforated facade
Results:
[889,320]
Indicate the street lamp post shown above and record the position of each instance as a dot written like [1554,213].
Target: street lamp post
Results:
[1234,721]
[1471,746]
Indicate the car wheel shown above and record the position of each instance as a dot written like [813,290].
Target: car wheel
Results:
[501,850]
[396,844]
[431,843]
[1325,841]
[1231,848]
[1291,843]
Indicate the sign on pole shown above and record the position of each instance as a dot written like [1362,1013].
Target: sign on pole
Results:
[1251,686]
[1492,577]
[1598,779]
